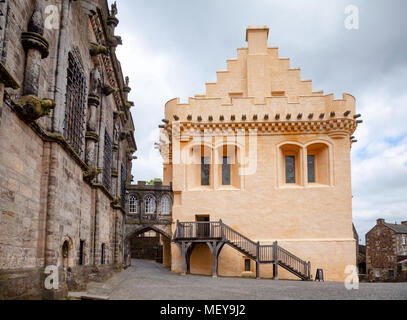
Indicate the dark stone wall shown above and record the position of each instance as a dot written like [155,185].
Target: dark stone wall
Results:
[380,253]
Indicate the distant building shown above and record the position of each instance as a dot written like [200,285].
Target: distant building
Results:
[148,222]
[362,260]
[386,252]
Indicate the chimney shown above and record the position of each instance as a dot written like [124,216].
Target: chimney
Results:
[257,37]
[404,223]
[380,221]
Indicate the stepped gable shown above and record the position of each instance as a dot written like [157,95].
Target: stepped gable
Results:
[261,86]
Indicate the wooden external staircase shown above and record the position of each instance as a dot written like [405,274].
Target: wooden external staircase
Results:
[217,234]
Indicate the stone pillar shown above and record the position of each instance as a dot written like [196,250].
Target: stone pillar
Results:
[37,48]
[91,136]
[115,171]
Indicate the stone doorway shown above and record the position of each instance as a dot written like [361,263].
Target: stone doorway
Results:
[147,246]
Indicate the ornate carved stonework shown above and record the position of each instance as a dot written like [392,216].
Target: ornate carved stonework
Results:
[33,108]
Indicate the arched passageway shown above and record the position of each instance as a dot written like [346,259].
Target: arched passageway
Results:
[150,243]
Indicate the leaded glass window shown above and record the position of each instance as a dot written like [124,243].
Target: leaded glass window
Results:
[226,171]
[205,171]
[311,169]
[149,205]
[247,265]
[133,204]
[165,206]
[107,158]
[290,169]
[75,104]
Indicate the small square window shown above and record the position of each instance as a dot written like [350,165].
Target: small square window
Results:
[247,265]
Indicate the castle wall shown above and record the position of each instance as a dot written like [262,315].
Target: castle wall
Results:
[50,193]
[262,108]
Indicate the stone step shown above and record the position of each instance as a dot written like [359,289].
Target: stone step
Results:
[87,296]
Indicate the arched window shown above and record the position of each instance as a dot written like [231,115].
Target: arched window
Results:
[133,204]
[165,206]
[318,164]
[149,205]
[65,254]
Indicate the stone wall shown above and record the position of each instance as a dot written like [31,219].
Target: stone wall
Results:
[384,251]
[51,196]
[380,253]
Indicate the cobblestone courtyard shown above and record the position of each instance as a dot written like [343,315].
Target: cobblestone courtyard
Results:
[150,281]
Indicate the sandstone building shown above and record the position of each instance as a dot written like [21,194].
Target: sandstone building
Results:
[66,141]
[386,252]
[261,172]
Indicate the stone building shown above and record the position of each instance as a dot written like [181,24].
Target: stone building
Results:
[260,167]
[66,141]
[149,209]
[386,252]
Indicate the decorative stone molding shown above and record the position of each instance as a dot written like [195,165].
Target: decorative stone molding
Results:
[337,127]
[115,174]
[92,136]
[32,108]
[31,40]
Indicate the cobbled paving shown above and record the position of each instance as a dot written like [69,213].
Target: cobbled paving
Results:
[147,280]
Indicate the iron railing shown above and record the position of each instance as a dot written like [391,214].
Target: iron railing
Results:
[260,253]
[198,230]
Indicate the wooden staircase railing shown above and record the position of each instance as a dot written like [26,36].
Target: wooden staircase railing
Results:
[262,254]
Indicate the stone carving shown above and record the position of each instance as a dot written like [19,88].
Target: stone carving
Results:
[108,90]
[96,49]
[114,11]
[33,108]
[95,81]
[91,174]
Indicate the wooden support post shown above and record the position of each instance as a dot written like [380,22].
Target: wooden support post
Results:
[184,259]
[275,256]
[222,235]
[216,248]
[258,261]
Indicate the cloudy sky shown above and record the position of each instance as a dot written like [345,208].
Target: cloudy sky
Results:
[171,48]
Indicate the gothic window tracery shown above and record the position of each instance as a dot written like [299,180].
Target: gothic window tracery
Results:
[165,205]
[133,204]
[149,205]
[108,157]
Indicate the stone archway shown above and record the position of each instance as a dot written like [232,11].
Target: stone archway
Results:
[142,248]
